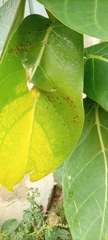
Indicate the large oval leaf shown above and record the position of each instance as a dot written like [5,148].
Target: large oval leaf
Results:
[85,178]
[87,17]
[96,73]
[39,128]
[11,14]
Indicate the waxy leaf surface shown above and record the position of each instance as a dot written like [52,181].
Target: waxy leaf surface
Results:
[96,73]
[87,17]
[85,178]
[39,128]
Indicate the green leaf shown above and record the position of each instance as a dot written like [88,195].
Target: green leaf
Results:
[85,181]
[87,17]
[39,128]
[10,226]
[53,234]
[96,73]
[58,173]
[19,235]
[62,233]
[11,14]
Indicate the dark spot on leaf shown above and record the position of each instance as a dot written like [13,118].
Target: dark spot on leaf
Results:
[71,193]
[28,43]
[47,25]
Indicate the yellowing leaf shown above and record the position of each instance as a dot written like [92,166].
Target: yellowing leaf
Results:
[39,128]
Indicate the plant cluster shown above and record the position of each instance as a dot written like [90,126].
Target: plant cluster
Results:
[36,225]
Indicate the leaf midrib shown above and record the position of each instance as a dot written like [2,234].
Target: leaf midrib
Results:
[97,57]
[105,162]
[37,63]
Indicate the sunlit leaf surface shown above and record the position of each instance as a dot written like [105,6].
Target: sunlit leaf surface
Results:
[39,128]
[85,181]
